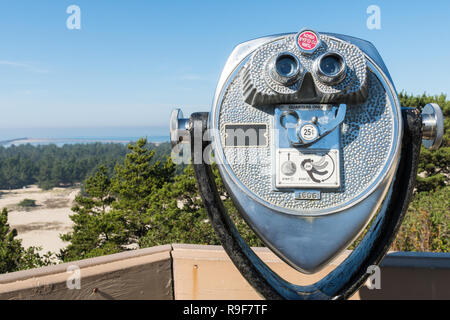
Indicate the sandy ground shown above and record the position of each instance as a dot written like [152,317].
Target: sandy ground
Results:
[40,226]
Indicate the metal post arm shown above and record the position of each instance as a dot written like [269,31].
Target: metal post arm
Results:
[350,275]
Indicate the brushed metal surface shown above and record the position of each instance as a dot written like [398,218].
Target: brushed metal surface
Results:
[307,234]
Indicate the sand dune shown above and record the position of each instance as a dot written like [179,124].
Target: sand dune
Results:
[41,225]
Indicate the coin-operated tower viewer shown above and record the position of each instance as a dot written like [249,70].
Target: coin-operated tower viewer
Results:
[312,145]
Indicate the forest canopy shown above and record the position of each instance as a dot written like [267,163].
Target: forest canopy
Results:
[51,166]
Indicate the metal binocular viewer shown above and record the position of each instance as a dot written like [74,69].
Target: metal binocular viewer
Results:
[313,147]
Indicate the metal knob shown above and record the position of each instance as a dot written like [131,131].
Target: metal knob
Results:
[432,126]
[179,127]
[288,168]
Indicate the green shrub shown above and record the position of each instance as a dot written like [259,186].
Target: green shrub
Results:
[427,222]
[27,203]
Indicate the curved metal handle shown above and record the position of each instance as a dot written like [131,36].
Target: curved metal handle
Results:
[346,279]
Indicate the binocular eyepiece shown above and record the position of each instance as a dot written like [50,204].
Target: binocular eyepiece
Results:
[329,68]
[285,68]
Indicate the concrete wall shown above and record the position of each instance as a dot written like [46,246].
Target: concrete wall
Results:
[205,272]
[139,274]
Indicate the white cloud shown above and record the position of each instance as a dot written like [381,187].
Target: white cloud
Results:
[25,66]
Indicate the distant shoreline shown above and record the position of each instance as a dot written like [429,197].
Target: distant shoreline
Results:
[4,142]
[63,141]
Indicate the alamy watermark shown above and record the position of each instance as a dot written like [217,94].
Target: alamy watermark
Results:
[235,139]
[73,282]
[374,280]
[374,20]
[73,22]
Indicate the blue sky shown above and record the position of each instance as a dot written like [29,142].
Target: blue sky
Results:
[132,62]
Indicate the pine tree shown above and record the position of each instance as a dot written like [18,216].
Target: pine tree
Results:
[177,214]
[97,229]
[112,214]
[13,257]
[135,183]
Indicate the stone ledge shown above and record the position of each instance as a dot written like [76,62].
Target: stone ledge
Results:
[184,271]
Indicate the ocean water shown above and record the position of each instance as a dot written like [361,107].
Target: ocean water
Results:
[61,136]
